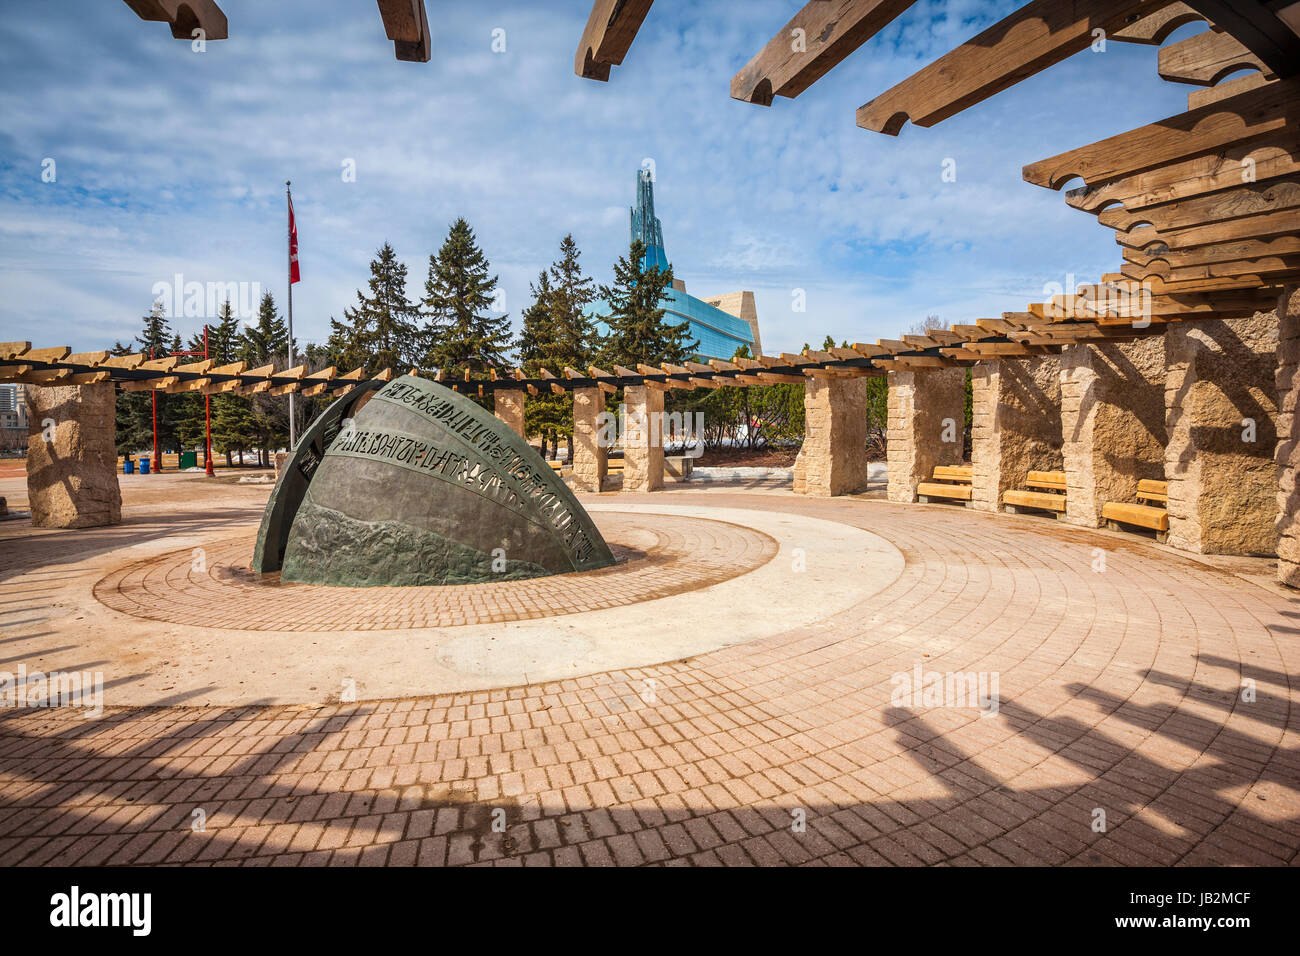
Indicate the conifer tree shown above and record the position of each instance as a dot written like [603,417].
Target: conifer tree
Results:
[381,330]
[638,332]
[134,410]
[463,330]
[266,342]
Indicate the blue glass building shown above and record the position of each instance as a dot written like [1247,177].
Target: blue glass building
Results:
[718,332]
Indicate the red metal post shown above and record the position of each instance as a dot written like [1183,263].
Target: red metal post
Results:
[157,458]
[207,415]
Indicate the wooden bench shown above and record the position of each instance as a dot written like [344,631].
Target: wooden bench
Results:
[951,483]
[1045,492]
[1150,515]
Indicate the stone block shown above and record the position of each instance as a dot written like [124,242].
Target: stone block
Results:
[926,424]
[1221,406]
[72,456]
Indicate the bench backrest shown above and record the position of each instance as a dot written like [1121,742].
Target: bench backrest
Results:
[954,472]
[1152,490]
[1051,480]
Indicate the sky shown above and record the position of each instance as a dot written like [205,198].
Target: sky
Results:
[168,161]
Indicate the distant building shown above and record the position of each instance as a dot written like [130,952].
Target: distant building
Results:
[721,324]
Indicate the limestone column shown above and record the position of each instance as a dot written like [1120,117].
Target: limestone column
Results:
[643,448]
[589,454]
[1221,406]
[1015,424]
[72,456]
[508,404]
[833,460]
[1288,436]
[1112,423]
[926,426]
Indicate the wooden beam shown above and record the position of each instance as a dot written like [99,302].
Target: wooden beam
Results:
[1249,200]
[184,17]
[1031,39]
[814,42]
[1274,108]
[1205,59]
[1222,252]
[1281,223]
[1221,91]
[407,24]
[1267,159]
[611,27]
[1155,27]
[1258,25]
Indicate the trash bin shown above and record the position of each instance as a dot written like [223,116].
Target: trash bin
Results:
[128,467]
[189,459]
[144,466]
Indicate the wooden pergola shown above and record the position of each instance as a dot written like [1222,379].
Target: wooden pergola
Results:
[1205,204]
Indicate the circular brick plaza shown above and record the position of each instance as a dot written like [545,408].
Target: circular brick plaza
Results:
[1137,686]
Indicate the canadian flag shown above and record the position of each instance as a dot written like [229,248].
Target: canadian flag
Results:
[293,246]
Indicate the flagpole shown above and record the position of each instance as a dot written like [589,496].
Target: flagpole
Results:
[293,428]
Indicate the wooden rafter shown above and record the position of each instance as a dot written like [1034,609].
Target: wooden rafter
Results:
[185,16]
[1248,200]
[1155,27]
[1267,159]
[816,39]
[407,24]
[612,25]
[1272,109]
[1205,59]
[1028,41]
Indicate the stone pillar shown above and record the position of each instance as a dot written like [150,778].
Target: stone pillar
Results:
[1015,424]
[1288,436]
[72,456]
[508,404]
[1112,423]
[925,407]
[643,447]
[833,459]
[589,455]
[1221,406]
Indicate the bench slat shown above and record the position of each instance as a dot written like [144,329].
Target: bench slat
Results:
[1144,516]
[1045,501]
[954,473]
[930,489]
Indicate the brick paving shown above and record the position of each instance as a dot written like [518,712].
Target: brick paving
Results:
[1120,692]
[674,555]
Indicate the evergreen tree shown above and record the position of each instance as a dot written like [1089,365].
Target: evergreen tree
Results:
[134,411]
[267,343]
[638,332]
[380,331]
[573,333]
[545,414]
[233,422]
[462,332]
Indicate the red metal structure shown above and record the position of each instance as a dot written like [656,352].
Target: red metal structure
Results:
[207,416]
